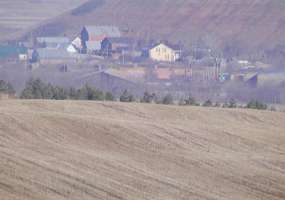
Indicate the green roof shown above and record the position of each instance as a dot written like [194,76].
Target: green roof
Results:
[7,51]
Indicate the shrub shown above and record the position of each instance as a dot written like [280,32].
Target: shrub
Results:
[6,87]
[72,93]
[254,104]
[217,104]
[208,103]
[88,93]
[127,97]
[272,108]
[109,96]
[148,98]
[191,101]
[232,104]
[59,94]
[35,89]
[167,100]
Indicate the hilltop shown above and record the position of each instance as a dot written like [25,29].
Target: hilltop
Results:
[88,150]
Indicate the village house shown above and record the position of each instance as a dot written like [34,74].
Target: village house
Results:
[52,42]
[165,52]
[56,44]
[116,46]
[45,56]
[92,36]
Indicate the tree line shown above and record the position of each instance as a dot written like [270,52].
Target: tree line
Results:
[37,89]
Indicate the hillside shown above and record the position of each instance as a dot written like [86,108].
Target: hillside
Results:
[86,150]
[19,16]
[250,24]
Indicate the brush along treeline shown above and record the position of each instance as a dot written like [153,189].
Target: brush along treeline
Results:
[37,89]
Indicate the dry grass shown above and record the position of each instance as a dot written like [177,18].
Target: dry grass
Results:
[242,23]
[85,150]
[18,16]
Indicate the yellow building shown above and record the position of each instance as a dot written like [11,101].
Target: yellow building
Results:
[165,53]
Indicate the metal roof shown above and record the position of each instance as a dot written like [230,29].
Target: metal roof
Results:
[97,32]
[120,40]
[56,40]
[93,45]
[54,54]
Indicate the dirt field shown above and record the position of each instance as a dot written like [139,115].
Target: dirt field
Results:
[85,150]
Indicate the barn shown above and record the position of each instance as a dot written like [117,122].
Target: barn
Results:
[92,36]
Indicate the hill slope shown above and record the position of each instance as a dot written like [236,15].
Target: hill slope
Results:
[244,23]
[84,150]
[18,16]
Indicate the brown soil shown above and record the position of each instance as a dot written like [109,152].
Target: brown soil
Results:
[68,150]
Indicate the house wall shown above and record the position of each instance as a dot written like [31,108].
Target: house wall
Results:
[204,74]
[163,53]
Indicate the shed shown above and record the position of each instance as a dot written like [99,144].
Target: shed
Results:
[117,43]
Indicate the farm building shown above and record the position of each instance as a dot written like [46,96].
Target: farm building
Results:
[53,56]
[93,46]
[165,52]
[108,81]
[52,42]
[112,45]
[251,79]
[99,33]
[92,36]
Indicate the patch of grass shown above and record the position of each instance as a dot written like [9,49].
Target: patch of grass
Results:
[87,7]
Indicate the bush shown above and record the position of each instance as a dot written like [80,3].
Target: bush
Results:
[72,93]
[217,104]
[191,101]
[58,93]
[231,104]
[148,98]
[109,96]
[35,89]
[254,104]
[6,87]
[167,100]
[273,109]
[127,97]
[208,103]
